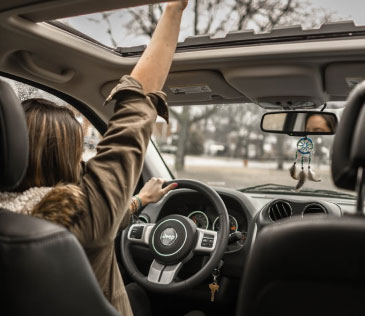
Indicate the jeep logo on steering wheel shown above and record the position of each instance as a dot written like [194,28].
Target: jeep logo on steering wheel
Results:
[168,236]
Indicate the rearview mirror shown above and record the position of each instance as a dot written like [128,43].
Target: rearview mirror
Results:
[299,123]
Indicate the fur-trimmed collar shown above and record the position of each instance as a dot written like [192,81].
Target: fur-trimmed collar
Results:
[63,204]
[23,202]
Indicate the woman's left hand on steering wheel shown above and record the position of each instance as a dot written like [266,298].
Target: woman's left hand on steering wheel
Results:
[153,190]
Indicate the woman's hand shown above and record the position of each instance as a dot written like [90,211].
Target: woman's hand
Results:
[179,4]
[152,191]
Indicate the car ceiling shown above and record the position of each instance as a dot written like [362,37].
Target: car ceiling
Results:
[39,52]
[38,11]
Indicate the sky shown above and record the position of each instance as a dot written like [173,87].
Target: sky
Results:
[354,9]
[346,9]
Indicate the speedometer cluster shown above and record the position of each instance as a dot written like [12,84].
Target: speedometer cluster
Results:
[201,211]
[207,219]
[202,221]
[233,224]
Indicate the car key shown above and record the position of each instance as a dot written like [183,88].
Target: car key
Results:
[214,287]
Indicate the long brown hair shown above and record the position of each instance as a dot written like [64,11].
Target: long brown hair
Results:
[55,144]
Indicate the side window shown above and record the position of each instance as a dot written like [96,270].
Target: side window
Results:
[91,135]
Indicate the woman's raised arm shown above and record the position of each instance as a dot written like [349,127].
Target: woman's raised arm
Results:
[154,65]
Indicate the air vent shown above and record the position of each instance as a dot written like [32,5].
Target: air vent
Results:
[143,218]
[279,210]
[314,209]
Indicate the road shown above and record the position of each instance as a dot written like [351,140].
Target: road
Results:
[233,173]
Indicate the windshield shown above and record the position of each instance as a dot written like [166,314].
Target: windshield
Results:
[223,145]
[132,27]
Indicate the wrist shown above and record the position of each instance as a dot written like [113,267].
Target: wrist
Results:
[134,205]
[174,8]
[144,199]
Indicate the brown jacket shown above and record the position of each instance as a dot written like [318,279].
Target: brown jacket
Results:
[110,179]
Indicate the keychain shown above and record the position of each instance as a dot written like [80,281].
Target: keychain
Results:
[214,286]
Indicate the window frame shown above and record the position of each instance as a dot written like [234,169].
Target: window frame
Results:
[83,108]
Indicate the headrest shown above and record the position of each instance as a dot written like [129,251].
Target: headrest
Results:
[13,139]
[349,144]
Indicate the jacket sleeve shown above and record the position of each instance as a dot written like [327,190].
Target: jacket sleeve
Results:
[111,176]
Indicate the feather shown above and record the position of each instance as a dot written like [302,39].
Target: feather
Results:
[312,176]
[301,179]
[293,171]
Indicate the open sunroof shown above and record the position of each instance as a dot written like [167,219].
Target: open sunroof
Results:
[213,21]
[327,31]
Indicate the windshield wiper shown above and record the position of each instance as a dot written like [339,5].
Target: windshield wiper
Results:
[274,188]
[268,187]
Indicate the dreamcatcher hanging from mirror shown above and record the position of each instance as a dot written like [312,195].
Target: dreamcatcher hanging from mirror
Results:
[305,148]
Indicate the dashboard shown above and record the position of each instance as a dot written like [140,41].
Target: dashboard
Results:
[248,214]
[281,209]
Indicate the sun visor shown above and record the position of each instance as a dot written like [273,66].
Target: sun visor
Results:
[200,87]
[341,78]
[194,87]
[279,86]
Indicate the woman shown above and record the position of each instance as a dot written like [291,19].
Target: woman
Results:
[52,162]
[318,123]
[98,200]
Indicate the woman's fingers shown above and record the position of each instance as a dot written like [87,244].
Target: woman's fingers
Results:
[152,191]
[169,187]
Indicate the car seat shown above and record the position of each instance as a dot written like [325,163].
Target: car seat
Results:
[315,265]
[43,268]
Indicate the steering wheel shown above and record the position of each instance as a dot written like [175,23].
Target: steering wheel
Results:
[173,241]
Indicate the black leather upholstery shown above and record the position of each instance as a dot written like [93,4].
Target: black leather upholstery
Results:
[348,146]
[306,267]
[13,139]
[44,271]
[357,154]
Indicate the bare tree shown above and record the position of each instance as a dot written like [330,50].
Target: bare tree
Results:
[235,126]
[25,91]
[186,119]
[217,17]
[106,18]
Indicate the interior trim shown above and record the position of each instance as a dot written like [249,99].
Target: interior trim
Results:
[39,11]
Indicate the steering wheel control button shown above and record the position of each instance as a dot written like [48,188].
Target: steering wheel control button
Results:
[207,241]
[136,232]
[168,236]
[140,233]
[209,236]
[172,239]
